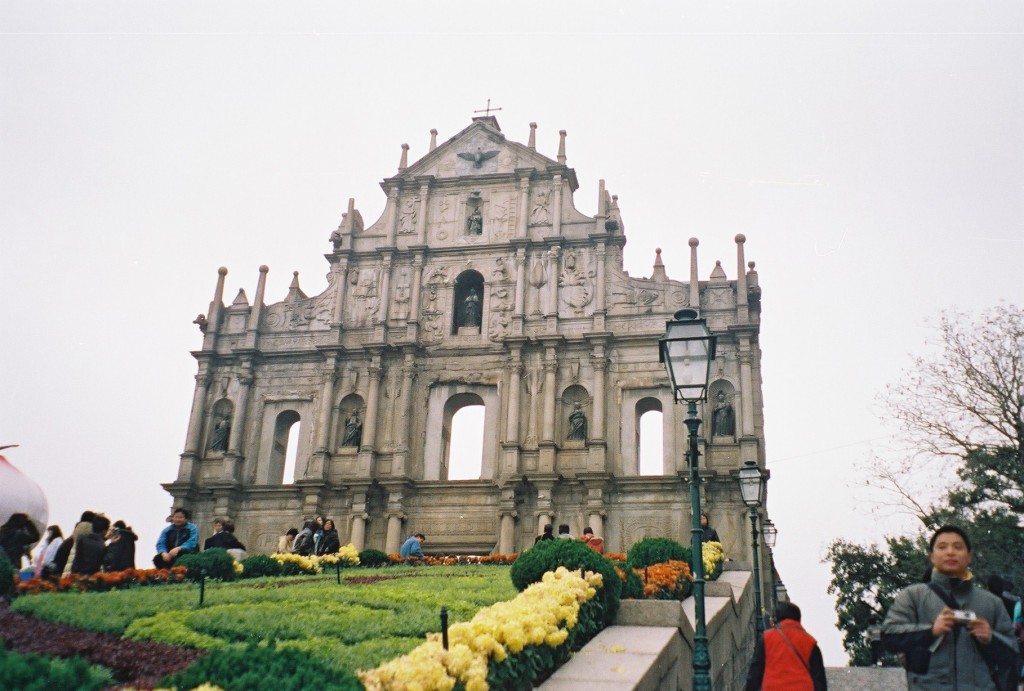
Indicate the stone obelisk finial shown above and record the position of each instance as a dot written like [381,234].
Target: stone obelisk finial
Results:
[532,142]
[561,147]
[694,283]
[404,162]
[433,139]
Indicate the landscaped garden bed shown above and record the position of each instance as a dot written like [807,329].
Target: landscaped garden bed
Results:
[303,631]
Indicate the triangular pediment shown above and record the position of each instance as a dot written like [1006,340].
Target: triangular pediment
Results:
[479,149]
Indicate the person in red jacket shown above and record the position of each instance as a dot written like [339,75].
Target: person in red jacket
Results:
[787,658]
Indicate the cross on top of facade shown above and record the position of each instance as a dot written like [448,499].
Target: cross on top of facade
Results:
[487,111]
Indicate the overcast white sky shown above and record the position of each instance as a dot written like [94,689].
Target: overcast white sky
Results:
[871,152]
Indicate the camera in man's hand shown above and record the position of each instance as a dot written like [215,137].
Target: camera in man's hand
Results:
[964,616]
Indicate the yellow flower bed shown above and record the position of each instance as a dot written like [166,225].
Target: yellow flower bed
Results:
[543,614]
[347,555]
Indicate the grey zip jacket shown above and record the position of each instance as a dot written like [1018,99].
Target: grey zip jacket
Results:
[955,663]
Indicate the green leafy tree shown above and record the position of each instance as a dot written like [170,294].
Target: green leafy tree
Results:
[960,412]
[865,580]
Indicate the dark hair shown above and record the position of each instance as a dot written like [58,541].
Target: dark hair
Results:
[949,529]
[421,536]
[333,526]
[787,610]
[996,585]
[293,532]
[87,517]
[184,512]
[100,524]
[563,528]
[228,525]
[548,527]
[120,524]
[588,530]
[55,531]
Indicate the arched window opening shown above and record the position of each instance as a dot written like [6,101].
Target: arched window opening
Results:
[463,437]
[286,444]
[467,307]
[650,450]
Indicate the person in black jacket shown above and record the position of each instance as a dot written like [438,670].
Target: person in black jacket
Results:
[17,536]
[330,543]
[225,539]
[92,548]
[121,549]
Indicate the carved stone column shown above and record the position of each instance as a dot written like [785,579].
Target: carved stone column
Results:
[358,534]
[552,306]
[520,307]
[746,388]
[195,423]
[400,467]
[507,532]
[556,205]
[234,455]
[385,289]
[368,443]
[393,539]
[524,206]
[392,222]
[599,289]
[317,469]
[339,294]
[421,220]
[550,370]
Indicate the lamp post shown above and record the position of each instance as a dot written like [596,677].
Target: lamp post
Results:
[688,349]
[770,533]
[752,490]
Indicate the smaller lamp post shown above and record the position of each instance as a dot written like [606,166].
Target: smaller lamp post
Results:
[752,490]
[688,349]
[781,594]
[769,532]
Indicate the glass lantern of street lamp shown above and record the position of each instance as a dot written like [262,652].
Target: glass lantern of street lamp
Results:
[687,349]
[781,594]
[751,484]
[770,533]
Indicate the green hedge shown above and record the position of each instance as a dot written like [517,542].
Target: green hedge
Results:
[31,672]
[548,555]
[259,667]
[656,550]
[372,558]
[260,565]
[213,563]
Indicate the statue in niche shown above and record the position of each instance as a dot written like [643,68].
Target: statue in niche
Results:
[353,430]
[577,424]
[221,432]
[471,309]
[407,221]
[540,214]
[723,419]
[475,222]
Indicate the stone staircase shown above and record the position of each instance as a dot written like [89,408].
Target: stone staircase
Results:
[866,679]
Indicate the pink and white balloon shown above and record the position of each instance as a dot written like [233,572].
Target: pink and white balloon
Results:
[19,494]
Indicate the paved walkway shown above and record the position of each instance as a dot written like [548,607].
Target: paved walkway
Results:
[866,679]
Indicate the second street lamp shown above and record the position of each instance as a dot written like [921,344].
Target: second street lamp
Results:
[688,349]
[752,491]
[770,534]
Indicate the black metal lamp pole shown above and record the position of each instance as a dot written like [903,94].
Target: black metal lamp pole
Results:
[755,537]
[688,349]
[752,490]
[701,656]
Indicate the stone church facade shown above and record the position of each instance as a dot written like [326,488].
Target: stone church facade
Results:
[481,284]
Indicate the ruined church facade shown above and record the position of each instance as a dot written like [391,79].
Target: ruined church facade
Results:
[481,284]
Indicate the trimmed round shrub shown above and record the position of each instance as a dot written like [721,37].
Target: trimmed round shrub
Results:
[213,563]
[260,565]
[656,550]
[373,558]
[262,668]
[6,576]
[548,555]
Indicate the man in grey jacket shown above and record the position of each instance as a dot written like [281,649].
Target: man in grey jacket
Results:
[946,647]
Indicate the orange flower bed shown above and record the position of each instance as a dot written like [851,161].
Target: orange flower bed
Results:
[103,581]
[670,580]
[453,560]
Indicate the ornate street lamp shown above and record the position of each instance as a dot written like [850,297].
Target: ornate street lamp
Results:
[781,593]
[688,349]
[769,532]
[752,490]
